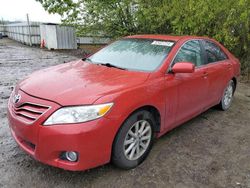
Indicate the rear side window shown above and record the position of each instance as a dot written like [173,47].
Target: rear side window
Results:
[214,52]
[190,52]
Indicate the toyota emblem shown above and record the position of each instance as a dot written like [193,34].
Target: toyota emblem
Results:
[16,98]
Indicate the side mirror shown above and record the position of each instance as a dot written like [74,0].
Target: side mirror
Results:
[183,67]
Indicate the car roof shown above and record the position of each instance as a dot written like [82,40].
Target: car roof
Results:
[167,37]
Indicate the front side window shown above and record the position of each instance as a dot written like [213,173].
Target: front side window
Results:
[190,52]
[134,54]
[214,53]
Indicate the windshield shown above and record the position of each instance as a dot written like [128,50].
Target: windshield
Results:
[133,54]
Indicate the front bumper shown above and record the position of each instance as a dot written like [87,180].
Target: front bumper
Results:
[92,140]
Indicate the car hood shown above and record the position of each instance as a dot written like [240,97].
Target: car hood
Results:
[79,82]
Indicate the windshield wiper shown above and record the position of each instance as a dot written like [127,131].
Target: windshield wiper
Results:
[104,64]
[110,65]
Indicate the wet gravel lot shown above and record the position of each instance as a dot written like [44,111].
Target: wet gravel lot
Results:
[212,150]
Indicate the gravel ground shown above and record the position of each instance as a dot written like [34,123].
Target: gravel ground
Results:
[211,150]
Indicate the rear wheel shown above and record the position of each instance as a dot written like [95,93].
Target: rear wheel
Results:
[134,140]
[227,97]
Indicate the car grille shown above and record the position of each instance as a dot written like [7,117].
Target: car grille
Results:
[29,112]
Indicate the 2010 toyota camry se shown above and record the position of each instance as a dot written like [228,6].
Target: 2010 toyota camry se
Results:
[111,105]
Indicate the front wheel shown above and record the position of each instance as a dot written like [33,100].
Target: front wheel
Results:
[134,140]
[227,97]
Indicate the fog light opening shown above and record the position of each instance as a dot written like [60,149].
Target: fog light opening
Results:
[71,156]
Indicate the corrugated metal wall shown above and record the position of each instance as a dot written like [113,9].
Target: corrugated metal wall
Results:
[66,37]
[2,29]
[20,32]
[48,35]
[57,36]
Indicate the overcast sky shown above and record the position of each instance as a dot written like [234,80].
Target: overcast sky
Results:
[16,10]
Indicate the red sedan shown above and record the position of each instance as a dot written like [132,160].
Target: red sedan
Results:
[111,105]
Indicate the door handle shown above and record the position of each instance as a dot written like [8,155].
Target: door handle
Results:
[205,74]
[229,66]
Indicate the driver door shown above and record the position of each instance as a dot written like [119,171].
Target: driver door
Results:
[192,88]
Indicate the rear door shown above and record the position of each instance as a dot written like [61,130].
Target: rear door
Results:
[217,65]
[192,87]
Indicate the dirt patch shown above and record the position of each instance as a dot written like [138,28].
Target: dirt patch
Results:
[211,150]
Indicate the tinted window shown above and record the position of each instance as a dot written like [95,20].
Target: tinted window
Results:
[214,53]
[190,52]
[134,54]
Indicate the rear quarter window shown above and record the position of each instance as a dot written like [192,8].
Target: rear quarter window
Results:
[214,52]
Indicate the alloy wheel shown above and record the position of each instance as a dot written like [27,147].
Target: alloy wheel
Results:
[228,95]
[137,140]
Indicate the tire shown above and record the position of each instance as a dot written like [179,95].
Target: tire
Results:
[125,142]
[227,97]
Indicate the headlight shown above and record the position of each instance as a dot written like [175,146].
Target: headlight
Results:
[78,114]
